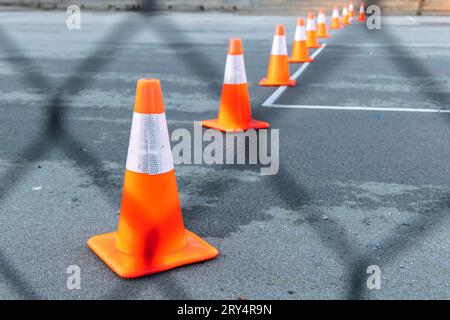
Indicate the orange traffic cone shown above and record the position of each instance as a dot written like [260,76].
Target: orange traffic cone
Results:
[351,10]
[300,52]
[235,109]
[278,73]
[335,19]
[322,25]
[151,236]
[311,34]
[345,17]
[362,14]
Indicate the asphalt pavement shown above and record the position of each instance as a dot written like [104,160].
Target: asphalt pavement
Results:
[355,187]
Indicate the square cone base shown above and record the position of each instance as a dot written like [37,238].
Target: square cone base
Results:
[291,60]
[127,266]
[215,124]
[265,83]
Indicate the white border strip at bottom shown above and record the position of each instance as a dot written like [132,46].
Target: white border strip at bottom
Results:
[421,110]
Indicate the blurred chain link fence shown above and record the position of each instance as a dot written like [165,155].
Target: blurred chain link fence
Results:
[53,134]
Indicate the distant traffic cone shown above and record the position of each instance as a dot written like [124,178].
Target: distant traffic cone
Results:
[151,236]
[351,10]
[322,25]
[235,109]
[335,19]
[300,52]
[278,73]
[362,14]
[311,33]
[345,17]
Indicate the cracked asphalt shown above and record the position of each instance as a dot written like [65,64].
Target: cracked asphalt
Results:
[355,188]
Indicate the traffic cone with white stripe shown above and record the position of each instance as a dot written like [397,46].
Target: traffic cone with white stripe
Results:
[278,73]
[335,19]
[235,109]
[345,17]
[311,32]
[300,52]
[362,14]
[351,11]
[322,25]
[151,236]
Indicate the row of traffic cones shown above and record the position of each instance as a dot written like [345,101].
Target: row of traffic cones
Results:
[235,109]
[348,13]
[151,236]
[305,39]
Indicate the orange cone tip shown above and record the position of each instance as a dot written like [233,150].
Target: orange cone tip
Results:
[279,30]
[235,47]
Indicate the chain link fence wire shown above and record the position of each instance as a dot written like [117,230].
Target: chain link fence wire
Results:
[53,134]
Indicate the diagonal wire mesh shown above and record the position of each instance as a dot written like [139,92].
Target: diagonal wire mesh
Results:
[53,134]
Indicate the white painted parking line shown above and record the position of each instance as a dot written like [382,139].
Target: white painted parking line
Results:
[281,90]
[413,20]
[270,102]
[420,110]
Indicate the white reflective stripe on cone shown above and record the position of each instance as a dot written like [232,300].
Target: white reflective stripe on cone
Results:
[361,9]
[351,8]
[345,12]
[310,25]
[300,33]
[149,151]
[335,13]
[279,46]
[235,70]
[321,18]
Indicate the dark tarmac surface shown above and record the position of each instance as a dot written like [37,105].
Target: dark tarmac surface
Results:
[355,188]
